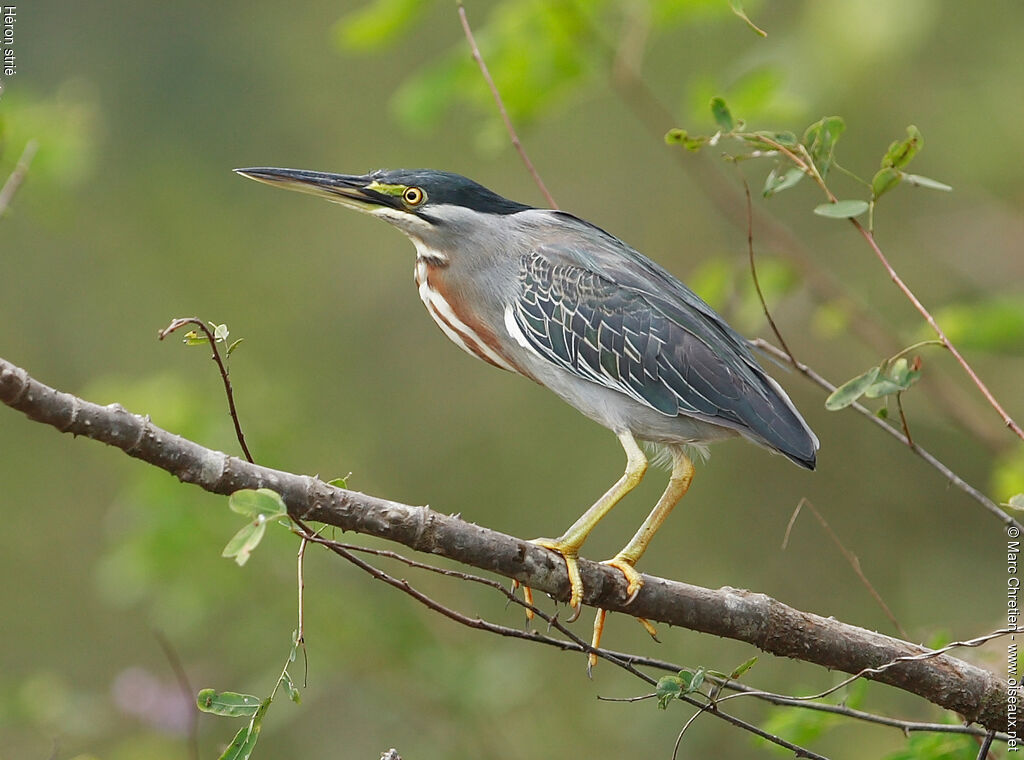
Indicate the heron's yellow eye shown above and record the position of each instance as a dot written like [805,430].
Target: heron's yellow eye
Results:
[413,196]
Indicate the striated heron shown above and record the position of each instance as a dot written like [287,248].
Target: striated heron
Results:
[554,298]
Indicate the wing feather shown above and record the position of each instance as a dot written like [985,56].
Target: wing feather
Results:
[615,318]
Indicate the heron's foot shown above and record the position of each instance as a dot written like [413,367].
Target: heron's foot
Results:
[649,627]
[527,598]
[634,581]
[595,641]
[569,554]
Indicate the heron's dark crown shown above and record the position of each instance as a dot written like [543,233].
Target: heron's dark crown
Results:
[448,188]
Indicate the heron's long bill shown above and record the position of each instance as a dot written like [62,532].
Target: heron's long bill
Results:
[360,192]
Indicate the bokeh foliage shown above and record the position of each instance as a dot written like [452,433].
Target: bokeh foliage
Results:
[130,216]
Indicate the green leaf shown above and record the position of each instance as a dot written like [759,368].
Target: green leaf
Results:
[894,379]
[233,346]
[820,140]
[252,503]
[903,373]
[842,209]
[884,181]
[1016,502]
[228,704]
[737,8]
[902,151]
[851,390]
[932,184]
[193,338]
[883,387]
[220,333]
[680,137]
[778,181]
[668,688]
[244,743]
[723,118]
[692,680]
[377,24]
[245,541]
[742,668]
[293,692]
[787,139]
[338,483]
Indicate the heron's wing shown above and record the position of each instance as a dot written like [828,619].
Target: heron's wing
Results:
[613,335]
[609,315]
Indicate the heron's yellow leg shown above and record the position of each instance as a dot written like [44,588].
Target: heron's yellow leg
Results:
[568,546]
[624,561]
[599,630]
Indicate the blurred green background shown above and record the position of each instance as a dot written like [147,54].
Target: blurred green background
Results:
[131,216]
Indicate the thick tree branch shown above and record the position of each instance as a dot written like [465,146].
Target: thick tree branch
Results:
[975,693]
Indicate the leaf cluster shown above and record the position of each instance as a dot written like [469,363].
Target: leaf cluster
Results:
[812,155]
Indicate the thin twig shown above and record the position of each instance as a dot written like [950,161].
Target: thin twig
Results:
[879,669]
[179,323]
[808,167]
[903,421]
[501,106]
[951,476]
[905,726]
[1007,420]
[626,659]
[17,176]
[187,693]
[300,631]
[986,745]
[484,625]
[657,118]
[850,558]
[753,273]
[679,739]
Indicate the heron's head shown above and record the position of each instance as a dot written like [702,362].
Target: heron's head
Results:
[436,209]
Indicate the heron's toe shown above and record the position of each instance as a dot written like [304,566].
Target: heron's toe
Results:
[569,554]
[634,581]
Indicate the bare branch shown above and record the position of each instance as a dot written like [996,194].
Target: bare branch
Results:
[177,324]
[630,661]
[753,274]
[905,289]
[657,118]
[501,107]
[806,165]
[977,694]
[18,175]
[986,745]
[851,560]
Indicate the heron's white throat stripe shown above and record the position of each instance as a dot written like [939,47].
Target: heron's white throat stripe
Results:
[461,334]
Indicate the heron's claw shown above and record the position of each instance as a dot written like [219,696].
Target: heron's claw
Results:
[527,598]
[572,567]
[634,581]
